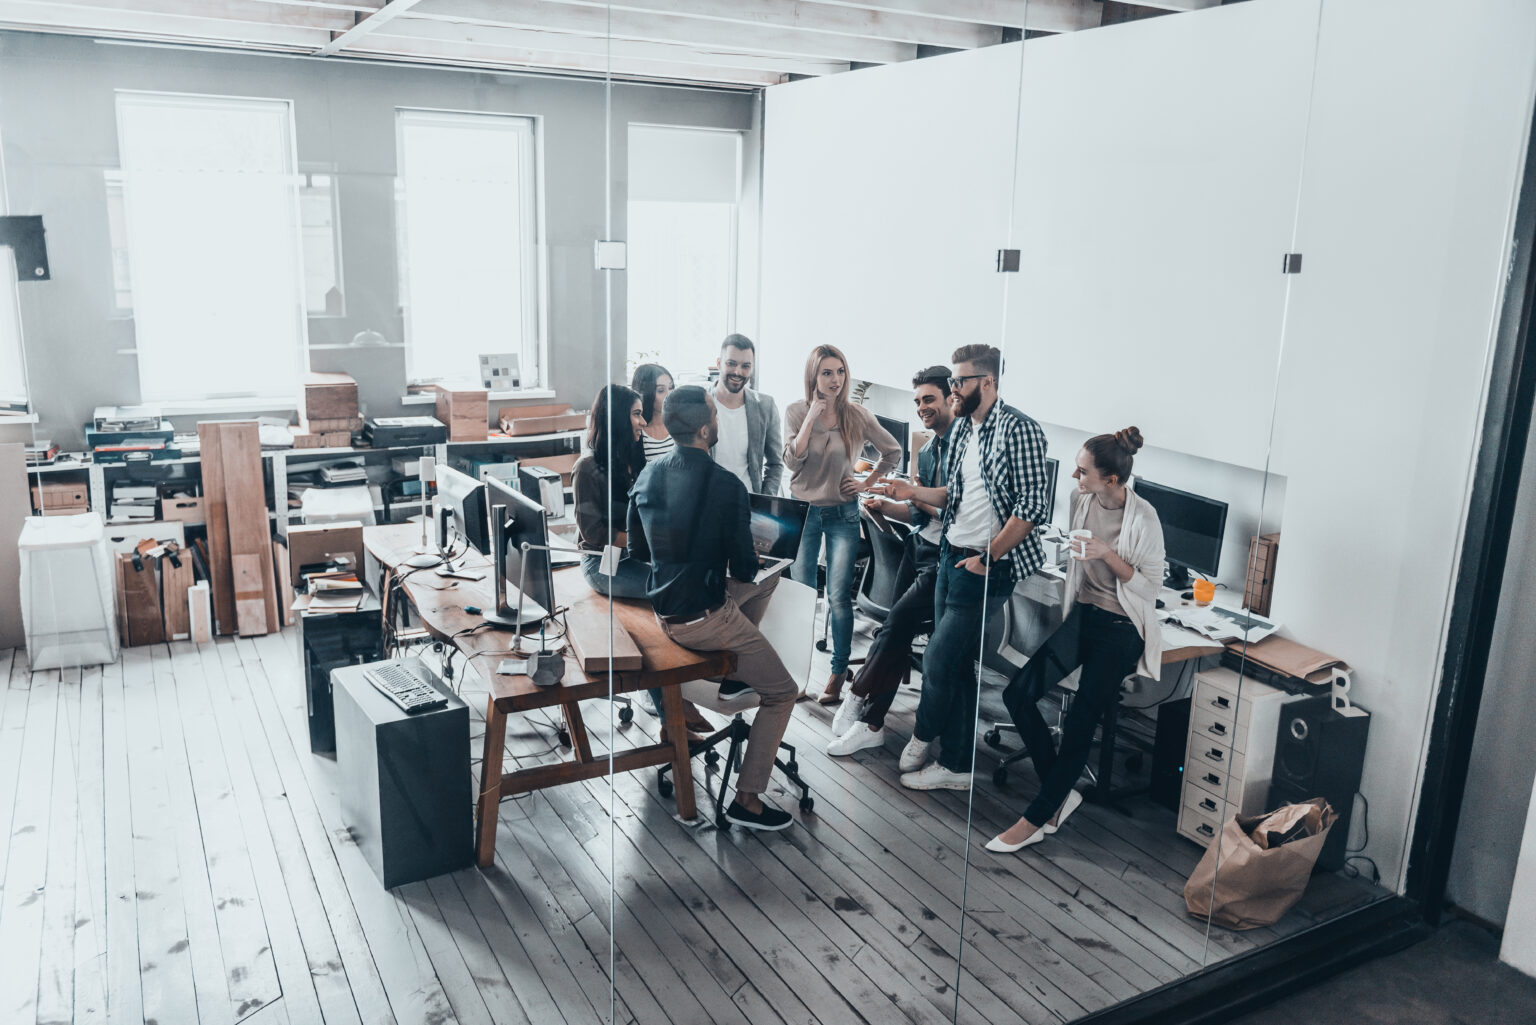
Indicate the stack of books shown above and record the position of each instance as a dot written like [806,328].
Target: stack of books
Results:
[334,592]
[42,452]
[127,419]
[350,471]
[134,502]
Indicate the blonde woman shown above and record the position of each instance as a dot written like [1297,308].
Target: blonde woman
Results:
[826,434]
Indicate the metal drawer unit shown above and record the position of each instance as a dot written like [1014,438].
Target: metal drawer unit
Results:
[1230,751]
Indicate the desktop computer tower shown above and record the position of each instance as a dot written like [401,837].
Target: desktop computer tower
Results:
[1320,753]
[1168,753]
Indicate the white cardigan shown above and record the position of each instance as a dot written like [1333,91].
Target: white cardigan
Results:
[1141,545]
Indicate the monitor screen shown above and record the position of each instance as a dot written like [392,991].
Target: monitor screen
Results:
[898,429]
[1052,468]
[1192,528]
[525,522]
[463,498]
[777,524]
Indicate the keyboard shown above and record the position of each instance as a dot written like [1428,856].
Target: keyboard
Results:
[405,687]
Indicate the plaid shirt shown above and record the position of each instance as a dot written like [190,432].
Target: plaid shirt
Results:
[1013,468]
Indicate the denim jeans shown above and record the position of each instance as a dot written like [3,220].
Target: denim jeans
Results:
[963,602]
[1108,647]
[627,582]
[839,524]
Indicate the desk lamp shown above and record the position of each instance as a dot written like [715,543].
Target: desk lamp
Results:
[424,556]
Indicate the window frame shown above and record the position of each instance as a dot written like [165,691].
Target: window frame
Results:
[534,344]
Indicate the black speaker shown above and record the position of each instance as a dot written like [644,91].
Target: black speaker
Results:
[1168,753]
[1320,753]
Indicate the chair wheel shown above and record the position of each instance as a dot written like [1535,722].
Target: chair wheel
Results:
[565,738]
[807,803]
[664,787]
[626,714]
[712,758]
[1000,776]
[793,767]
[994,737]
[722,823]
[821,645]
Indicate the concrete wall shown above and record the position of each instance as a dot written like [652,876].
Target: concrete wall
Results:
[58,128]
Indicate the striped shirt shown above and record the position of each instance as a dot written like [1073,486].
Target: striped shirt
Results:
[655,448]
[1013,468]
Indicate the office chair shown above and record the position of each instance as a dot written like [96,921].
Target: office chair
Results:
[881,584]
[1102,789]
[706,694]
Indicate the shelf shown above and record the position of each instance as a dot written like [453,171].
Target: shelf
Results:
[556,436]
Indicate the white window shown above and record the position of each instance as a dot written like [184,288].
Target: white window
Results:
[684,184]
[211,216]
[468,241]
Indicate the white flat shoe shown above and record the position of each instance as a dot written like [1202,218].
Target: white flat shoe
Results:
[997,844]
[1070,805]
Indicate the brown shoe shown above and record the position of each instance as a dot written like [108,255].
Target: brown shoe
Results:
[833,694]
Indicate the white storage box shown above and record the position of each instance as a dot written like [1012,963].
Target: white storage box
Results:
[68,592]
[339,505]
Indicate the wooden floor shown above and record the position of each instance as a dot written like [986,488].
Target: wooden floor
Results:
[172,853]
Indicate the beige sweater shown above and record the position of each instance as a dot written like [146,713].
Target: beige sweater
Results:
[1141,545]
[817,476]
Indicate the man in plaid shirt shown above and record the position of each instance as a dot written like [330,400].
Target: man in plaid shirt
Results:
[995,493]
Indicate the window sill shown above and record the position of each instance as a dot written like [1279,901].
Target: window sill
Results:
[7,419]
[187,407]
[428,399]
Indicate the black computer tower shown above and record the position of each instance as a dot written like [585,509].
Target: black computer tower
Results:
[330,642]
[1320,753]
[405,783]
[1168,753]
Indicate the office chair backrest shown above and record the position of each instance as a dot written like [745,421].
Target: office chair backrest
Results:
[877,591]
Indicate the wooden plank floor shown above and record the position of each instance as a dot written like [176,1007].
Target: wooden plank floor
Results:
[172,853]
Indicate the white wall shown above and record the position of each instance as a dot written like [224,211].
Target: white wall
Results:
[1519,947]
[1160,169]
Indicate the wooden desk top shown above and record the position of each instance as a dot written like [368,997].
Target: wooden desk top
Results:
[440,601]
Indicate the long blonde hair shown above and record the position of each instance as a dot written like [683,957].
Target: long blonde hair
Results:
[839,404]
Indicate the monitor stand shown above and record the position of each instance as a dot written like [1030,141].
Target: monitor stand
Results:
[1178,578]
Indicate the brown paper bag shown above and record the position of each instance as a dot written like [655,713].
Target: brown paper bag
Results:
[1242,883]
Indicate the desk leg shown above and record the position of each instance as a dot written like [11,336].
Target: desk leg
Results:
[682,766]
[489,802]
[576,726]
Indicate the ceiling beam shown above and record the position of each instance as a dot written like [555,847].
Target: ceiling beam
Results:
[808,15]
[366,24]
[488,36]
[648,27]
[139,24]
[250,12]
[1176,5]
[438,52]
[1037,15]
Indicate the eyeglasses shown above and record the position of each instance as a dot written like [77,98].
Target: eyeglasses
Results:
[956,383]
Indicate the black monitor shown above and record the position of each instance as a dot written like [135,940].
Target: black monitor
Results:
[898,429]
[1052,467]
[1192,530]
[521,521]
[461,501]
[777,524]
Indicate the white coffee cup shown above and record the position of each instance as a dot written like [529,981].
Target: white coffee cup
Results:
[1077,541]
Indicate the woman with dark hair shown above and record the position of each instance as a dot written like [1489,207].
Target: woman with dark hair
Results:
[601,481]
[653,382]
[1110,629]
[826,436]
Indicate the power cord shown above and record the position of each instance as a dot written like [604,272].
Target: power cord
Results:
[1352,854]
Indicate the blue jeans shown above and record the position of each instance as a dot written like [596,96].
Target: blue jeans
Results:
[963,602]
[628,582]
[839,524]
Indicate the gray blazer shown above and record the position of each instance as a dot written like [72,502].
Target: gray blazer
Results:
[765,443]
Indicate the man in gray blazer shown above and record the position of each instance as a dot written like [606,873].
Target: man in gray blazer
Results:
[750,442]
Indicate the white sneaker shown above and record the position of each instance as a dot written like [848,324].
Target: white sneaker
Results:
[915,755]
[856,739]
[649,705]
[848,714]
[936,777]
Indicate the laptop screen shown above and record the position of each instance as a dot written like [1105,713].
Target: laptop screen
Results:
[777,524]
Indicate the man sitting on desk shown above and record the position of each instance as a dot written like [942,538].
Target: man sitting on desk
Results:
[689,518]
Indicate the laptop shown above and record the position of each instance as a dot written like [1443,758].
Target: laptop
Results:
[777,524]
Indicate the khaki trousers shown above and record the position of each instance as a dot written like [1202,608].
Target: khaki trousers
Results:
[733,627]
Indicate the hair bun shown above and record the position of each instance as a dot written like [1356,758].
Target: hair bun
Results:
[1130,439]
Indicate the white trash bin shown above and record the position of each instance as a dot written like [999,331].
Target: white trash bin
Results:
[68,592]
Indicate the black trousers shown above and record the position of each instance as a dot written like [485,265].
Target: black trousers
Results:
[1107,647]
[879,678]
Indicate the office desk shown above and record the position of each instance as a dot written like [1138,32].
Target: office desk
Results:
[440,604]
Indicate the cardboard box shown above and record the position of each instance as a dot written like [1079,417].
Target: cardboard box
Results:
[330,397]
[324,542]
[183,509]
[467,413]
[51,495]
[348,424]
[563,465]
[521,421]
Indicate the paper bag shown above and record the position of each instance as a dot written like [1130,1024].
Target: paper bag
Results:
[1245,883]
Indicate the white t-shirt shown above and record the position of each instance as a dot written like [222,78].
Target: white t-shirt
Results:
[974,524]
[731,448]
[933,530]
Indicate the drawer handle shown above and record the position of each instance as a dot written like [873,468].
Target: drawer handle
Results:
[1220,702]
[1205,829]
[1212,778]
[1215,754]
[1208,804]
[1220,729]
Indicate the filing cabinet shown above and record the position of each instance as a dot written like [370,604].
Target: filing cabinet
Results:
[1230,753]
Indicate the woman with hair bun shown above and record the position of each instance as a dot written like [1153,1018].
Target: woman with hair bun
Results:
[1110,629]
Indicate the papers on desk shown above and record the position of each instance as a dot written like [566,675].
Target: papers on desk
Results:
[1221,624]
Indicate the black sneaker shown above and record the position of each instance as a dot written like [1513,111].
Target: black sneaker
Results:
[731,688]
[770,818]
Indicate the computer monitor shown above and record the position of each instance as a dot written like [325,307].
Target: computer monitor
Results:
[777,524]
[461,503]
[1192,530]
[1052,467]
[520,521]
[898,429]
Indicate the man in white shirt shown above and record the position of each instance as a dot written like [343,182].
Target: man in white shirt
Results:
[751,439]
